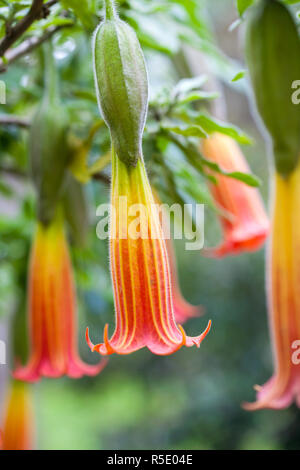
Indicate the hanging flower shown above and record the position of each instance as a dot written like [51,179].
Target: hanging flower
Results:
[52,308]
[18,431]
[283,271]
[244,221]
[140,271]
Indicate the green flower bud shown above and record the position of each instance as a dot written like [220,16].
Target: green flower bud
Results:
[273,55]
[121,83]
[48,145]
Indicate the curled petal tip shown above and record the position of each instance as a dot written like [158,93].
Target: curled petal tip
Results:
[93,347]
[207,329]
[109,349]
[204,334]
[252,406]
[247,406]
[88,340]
[183,335]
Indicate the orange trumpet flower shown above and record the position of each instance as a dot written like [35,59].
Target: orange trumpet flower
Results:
[247,225]
[18,432]
[52,308]
[140,270]
[283,271]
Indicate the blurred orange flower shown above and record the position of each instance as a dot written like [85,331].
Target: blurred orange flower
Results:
[283,271]
[52,308]
[245,223]
[140,270]
[18,431]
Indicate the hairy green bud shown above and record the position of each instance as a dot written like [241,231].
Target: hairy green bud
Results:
[273,55]
[121,83]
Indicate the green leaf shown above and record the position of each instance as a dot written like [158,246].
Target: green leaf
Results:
[239,76]
[247,178]
[85,11]
[189,84]
[152,33]
[243,5]
[58,22]
[187,130]
[210,125]
[196,96]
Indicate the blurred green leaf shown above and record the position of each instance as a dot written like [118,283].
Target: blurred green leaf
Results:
[243,5]
[187,130]
[239,76]
[86,11]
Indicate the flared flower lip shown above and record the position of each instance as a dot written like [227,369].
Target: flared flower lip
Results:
[249,242]
[75,370]
[105,348]
[266,399]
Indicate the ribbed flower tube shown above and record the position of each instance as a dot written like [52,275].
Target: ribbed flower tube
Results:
[18,426]
[245,223]
[52,309]
[144,305]
[283,271]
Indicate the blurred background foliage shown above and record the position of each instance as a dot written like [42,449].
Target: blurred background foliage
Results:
[190,400]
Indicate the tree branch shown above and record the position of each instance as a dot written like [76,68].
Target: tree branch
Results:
[11,120]
[13,172]
[27,46]
[102,178]
[37,11]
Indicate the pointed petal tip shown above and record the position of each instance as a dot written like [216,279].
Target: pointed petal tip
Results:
[249,406]
[207,329]
[255,406]
[109,348]
[200,338]
[183,336]
[88,340]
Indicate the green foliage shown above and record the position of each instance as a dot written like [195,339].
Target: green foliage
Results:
[243,5]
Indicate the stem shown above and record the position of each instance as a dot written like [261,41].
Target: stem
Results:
[28,45]
[37,11]
[51,79]
[110,10]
